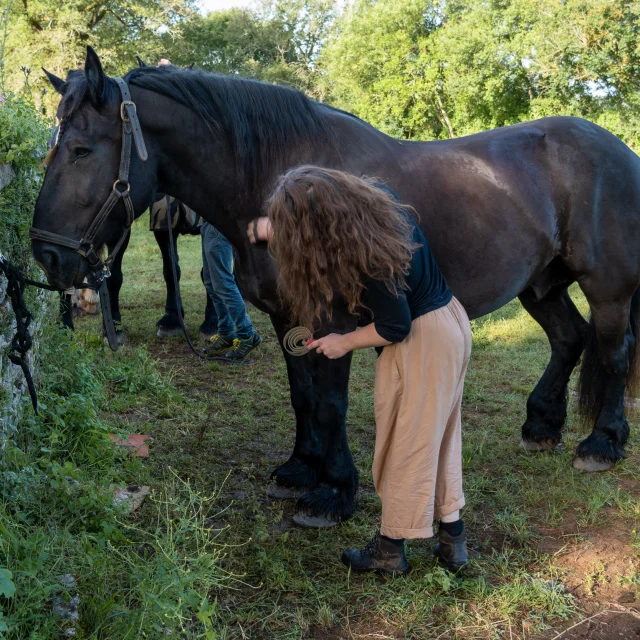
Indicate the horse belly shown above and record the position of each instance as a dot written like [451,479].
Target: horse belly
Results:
[492,226]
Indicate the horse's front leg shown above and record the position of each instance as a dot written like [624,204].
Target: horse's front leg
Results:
[300,472]
[321,466]
[66,310]
[114,286]
[209,326]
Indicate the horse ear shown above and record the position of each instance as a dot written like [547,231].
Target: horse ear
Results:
[57,83]
[190,66]
[140,63]
[95,77]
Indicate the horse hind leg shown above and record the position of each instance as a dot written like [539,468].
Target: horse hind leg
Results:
[566,330]
[169,325]
[608,369]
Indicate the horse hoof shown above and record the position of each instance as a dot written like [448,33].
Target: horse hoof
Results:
[591,464]
[121,338]
[279,492]
[308,521]
[295,472]
[545,445]
[168,333]
[205,337]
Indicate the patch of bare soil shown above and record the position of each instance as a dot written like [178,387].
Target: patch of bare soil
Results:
[601,571]
[609,625]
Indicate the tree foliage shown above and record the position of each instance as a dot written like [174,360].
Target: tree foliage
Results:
[434,69]
[278,41]
[415,68]
[55,34]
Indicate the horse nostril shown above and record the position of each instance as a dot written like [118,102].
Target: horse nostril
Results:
[50,259]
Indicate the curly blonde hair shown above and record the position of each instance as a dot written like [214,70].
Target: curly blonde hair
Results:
[331,230]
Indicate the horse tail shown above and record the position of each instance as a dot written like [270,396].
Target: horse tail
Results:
[591,386]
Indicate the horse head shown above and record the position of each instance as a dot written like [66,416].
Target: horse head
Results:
[70,225]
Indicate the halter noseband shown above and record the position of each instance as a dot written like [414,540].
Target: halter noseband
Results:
[120,191]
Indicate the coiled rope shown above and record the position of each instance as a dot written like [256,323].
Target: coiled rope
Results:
[296,339]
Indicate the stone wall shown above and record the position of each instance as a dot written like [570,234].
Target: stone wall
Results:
[13,386]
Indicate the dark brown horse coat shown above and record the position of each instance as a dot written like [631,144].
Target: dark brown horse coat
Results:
[520,211]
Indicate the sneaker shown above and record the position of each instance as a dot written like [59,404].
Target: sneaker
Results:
[380,554]
[218,345]
[207,331]
[242,346]
[452,551]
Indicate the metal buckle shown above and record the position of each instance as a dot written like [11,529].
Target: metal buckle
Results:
[124,191]
[123,115]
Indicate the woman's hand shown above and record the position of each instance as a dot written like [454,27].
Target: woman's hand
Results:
[333,346]
[259,229]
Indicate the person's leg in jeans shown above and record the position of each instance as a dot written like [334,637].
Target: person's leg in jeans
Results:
[209,326]
[232,313]
[223,339]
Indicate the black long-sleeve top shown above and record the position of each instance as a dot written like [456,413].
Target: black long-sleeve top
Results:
[426,291]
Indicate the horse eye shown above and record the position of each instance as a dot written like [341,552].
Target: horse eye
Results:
[81,152]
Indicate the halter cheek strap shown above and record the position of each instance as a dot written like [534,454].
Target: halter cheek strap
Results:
[131,132]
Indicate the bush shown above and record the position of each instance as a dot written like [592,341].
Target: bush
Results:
[23,137]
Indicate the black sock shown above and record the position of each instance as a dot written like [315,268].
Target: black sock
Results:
[452,528]
[398,542]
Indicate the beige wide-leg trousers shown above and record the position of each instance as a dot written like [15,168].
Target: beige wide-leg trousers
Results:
[417,465]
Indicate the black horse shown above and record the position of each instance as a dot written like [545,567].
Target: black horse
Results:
[169,324]
[522,211]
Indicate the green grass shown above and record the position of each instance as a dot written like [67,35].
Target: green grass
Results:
[209,552]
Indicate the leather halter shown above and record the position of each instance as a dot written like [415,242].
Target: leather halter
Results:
[120,191]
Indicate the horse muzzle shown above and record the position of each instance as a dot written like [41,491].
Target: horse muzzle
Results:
[63,267]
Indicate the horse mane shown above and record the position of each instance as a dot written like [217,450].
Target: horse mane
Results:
[260,121]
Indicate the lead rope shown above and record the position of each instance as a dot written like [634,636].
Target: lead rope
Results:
[107,317]
[172,251]
[22,340]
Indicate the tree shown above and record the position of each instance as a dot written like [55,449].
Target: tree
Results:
[278,42]
[383,62]
[438,68]
[55,34]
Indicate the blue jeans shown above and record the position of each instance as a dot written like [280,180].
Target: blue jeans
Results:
[217,262]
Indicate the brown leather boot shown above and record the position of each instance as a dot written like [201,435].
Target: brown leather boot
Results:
[452,550]
[380,554]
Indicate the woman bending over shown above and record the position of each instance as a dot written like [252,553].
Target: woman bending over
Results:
[337,237]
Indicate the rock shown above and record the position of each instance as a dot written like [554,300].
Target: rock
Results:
[65,606]
[7,174]
[134,495]
[627,597]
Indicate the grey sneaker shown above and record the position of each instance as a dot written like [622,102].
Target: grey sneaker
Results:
[380,555]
